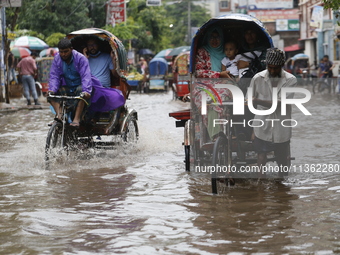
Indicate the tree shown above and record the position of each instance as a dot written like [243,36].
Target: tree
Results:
[177,15]
[146,27]
[54,39]
[65,16]
[331,4]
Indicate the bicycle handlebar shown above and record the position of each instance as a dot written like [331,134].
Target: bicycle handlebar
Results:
[66,97]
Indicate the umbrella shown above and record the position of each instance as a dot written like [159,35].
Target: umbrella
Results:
[145,52]
[48,51]
[177,51]
[20,52]
[30,42]
[163,53]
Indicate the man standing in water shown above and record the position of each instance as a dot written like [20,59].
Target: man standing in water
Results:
[272,136]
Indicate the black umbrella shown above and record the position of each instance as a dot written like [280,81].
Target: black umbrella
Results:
[145,52]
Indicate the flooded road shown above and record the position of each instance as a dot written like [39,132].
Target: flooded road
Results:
[141,201]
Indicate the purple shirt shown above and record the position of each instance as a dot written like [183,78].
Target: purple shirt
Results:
[81,64]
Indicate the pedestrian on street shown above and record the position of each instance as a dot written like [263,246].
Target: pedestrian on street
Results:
[11,68]
[27,68]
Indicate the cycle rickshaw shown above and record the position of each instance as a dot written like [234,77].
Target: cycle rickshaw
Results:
[229,150]
[110,128]
[158,70]
[181,75]
[298,65]
[44,65]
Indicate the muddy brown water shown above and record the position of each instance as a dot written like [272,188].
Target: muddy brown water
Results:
[141,201]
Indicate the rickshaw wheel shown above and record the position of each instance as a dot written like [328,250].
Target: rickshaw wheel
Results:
[321,86]
[130,135]
[187,157]
[53,141]
[220,161]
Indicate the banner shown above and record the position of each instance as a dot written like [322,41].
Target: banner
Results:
[317,17]
[265,4]
[287,25]
[273,15]
[115,12]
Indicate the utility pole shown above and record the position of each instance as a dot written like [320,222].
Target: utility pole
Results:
[189,22]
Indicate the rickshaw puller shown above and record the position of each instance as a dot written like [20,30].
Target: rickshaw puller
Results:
[272,137]
[70,73]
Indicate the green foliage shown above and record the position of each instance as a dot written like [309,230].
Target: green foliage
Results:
[68,16]
[146,27]
[331,4]
[54,38]
[177,14]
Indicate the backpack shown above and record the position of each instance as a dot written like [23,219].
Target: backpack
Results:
[256,65]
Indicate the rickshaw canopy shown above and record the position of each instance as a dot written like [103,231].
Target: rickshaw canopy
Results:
[234,26]
[79,37]
[107,43]
[181,63]
[158,66]
[300,55]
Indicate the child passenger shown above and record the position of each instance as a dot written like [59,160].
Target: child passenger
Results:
[229,63]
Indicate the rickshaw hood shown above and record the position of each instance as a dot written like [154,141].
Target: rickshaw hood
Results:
[228,17]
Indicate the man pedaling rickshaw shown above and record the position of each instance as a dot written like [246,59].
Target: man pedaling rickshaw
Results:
[71,75]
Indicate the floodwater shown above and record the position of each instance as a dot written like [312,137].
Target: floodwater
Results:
[140,200]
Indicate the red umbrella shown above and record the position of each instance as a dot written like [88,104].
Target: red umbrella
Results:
[48,52]
[20,52]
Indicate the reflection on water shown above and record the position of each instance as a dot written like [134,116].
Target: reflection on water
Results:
[141,201]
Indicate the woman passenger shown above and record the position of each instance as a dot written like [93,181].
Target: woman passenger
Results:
[208,65]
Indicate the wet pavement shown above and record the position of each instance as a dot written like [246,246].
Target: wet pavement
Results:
[140,200]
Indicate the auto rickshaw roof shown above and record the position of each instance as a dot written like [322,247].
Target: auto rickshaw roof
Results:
[233,25]
[79,38]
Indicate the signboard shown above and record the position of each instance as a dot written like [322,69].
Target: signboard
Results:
[273,15]
[317,17]
[265,4]
[153,2]
[287,25]
[11,36]
[10,3]
[115,12]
